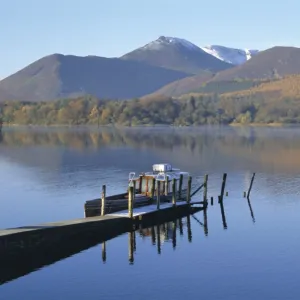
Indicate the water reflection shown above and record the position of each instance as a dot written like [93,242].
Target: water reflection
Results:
[223,214]
[163,233]
[158,233]
[257,148]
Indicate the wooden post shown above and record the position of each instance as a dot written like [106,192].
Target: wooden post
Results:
[211,200]
[189,187]
[167,186]
[180,185]
[140,184]
[223,186]
[134,191]
[251,183]
[103,196]
[134,185]
[174,192]
[205,188]
[147,185]
[153,189]
[130,202]
[158,195]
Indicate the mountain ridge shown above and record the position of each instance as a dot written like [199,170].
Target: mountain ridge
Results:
[58,76]
[177,54]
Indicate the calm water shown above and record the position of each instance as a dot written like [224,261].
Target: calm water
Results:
[250,253]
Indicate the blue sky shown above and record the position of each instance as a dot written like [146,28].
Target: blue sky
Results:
[34,28]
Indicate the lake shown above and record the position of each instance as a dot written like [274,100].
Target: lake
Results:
[249,252]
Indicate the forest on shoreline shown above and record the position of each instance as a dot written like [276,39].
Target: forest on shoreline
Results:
[187,110]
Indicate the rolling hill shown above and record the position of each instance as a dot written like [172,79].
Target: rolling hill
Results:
[287,87]
[64,76]
[183,86]
[271,63]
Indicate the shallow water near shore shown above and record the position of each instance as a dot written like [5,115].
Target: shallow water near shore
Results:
[249,252]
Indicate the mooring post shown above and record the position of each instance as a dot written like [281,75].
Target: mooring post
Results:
[205,188]
[140,184]
[103,196]
[134,190]
[223,186]
[251,183]
[189,187]
[153,189]
[174,192]
[180,186]
[167,186]
[158,195]
[130,202]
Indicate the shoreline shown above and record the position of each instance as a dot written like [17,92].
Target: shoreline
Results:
[6,126]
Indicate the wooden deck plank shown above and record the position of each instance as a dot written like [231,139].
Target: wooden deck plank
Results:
[39,227]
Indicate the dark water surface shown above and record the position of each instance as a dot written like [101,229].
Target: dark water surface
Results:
[250,253]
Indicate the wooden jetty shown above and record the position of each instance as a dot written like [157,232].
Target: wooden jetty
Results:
[159,185]
[25,249]
[150,199]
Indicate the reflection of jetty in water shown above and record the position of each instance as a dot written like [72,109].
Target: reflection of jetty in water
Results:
[160,234]
[168,232]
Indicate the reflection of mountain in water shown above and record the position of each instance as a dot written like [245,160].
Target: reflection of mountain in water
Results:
[198,150]
[205,145]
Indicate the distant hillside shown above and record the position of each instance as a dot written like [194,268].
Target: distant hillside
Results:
[287,87]
[203,84]
[177,54]
[60,76]
[4,95]
[183,86]
[271,63]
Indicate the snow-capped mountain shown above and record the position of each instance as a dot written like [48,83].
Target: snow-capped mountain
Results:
[177,54]
[230,55]
[162,41]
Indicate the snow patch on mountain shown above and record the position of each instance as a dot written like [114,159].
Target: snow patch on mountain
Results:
[164,40]
[230,55]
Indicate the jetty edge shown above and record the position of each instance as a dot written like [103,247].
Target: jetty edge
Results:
[147,205]
[26,249]
[164,184]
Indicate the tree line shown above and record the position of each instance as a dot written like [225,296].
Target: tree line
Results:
[194,109]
